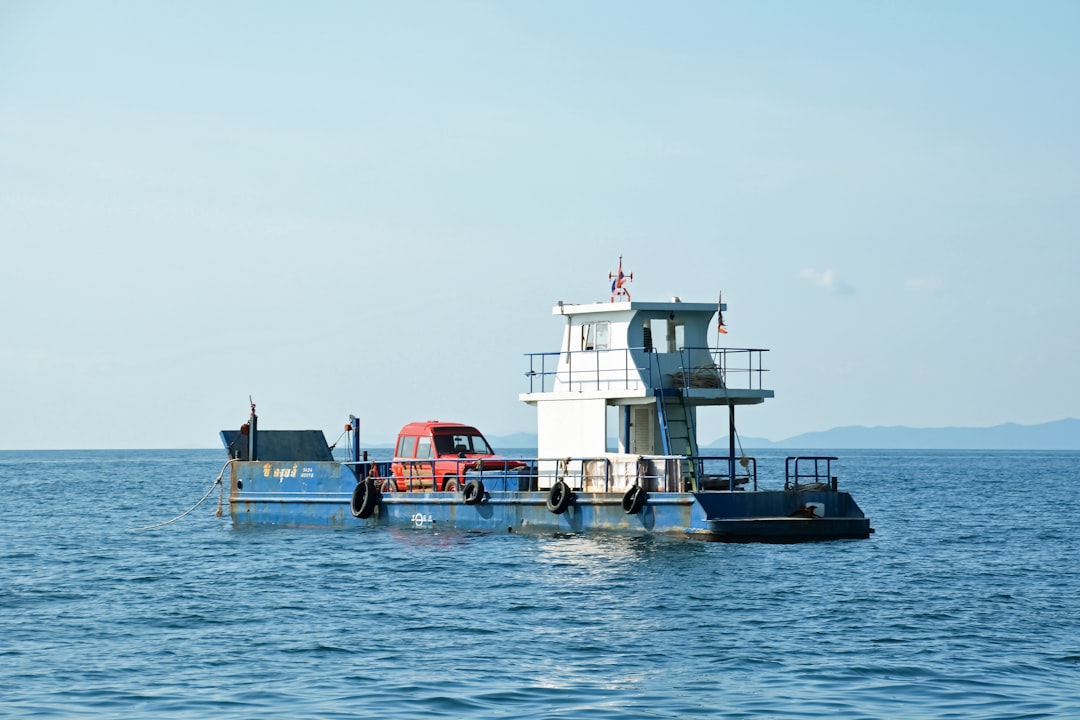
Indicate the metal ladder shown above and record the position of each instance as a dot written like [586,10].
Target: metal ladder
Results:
[676,427]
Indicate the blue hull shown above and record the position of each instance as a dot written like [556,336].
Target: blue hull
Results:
[319,494]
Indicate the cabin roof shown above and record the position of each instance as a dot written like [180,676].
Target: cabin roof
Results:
[429,427]
[633,307]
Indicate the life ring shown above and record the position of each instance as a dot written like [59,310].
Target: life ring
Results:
[473,493]
[559,497]
[634,500]
[365,498]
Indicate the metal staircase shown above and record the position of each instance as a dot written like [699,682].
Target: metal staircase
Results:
[676,423]
[677,427]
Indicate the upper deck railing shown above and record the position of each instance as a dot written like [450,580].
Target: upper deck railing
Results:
[731,368]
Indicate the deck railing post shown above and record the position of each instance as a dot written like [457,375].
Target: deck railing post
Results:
[731,447]
[354,423]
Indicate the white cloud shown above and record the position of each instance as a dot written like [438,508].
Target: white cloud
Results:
[827,280]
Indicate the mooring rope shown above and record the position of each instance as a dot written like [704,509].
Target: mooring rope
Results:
[218,513]
[339,439]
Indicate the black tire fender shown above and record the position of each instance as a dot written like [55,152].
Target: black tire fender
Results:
[634,500]
[559,497]
[473,492]
[365,498]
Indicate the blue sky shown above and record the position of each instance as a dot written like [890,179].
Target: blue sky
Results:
[370,208]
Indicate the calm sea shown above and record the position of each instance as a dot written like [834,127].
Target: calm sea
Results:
[965,604]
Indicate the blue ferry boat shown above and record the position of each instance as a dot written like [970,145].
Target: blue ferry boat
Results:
[638,371]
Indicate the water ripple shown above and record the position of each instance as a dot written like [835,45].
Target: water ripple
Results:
[965,604]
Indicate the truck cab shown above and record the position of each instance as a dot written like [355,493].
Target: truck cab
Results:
[435,455]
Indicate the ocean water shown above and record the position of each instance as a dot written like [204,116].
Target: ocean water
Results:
[964,604]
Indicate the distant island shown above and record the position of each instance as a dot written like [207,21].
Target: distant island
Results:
[1056,435]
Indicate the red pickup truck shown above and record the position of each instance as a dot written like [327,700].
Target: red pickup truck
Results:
[436,455]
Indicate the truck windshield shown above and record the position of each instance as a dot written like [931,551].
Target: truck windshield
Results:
[457,443]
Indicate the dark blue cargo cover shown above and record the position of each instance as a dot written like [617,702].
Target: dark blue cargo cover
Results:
[299,445]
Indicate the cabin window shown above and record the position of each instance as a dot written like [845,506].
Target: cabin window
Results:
[406,446]
[461,443]
[445,445]
[594,336]
[423,449]
[664,335]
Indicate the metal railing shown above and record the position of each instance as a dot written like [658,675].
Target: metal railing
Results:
[737,363]
[431,475]
[726,473]
[584,370]
[657,473]
[734,368]
[798,476]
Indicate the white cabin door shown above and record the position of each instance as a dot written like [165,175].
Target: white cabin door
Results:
[641,430]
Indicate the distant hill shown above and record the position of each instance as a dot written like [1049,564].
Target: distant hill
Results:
[1056,435]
